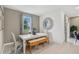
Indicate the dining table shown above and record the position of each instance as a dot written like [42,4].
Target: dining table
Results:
[27,37]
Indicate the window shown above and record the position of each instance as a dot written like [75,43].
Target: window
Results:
[27,24]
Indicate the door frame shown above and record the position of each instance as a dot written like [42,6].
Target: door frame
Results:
[67,28]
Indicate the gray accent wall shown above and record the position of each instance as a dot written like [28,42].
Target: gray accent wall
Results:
[13,22]
[35,22]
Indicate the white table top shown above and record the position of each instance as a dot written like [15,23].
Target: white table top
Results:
[30,36]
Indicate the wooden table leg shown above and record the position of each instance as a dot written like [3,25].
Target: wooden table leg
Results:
[24,46]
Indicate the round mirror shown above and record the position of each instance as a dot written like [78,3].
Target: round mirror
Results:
[47,23]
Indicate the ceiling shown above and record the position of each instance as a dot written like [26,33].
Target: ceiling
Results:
[70,10]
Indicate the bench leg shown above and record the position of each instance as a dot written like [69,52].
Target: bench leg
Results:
[30,49]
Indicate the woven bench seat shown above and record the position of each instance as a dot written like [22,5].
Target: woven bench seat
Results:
[36,42]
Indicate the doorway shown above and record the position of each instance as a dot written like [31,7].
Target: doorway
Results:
[70,22]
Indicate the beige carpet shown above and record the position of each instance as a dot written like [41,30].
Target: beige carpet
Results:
[65,48]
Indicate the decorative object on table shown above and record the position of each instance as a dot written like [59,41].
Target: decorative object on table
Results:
[34,31]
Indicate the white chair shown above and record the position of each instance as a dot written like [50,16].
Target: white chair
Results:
[6,45]
[18,45]
[76,36]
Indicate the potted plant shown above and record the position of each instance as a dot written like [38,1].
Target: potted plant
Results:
[72,29]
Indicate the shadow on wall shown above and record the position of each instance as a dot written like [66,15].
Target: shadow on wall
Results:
[50,36]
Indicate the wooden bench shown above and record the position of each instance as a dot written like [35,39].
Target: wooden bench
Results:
[36,42]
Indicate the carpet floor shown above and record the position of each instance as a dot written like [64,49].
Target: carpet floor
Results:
[54,48]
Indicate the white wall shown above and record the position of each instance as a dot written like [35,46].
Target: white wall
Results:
[57,31]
